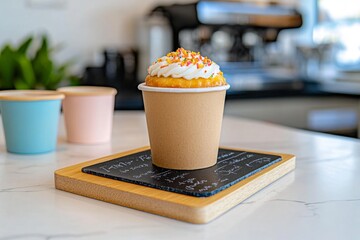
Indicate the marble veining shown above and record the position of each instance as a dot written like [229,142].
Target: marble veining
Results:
[50,236]
[312,207]
[26,189]
[319,200]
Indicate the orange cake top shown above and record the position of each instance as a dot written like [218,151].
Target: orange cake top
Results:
[184,68]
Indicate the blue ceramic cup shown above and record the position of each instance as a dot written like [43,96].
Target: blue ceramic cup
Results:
[30,120]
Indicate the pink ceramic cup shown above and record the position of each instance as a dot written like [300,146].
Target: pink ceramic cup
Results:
[88,113]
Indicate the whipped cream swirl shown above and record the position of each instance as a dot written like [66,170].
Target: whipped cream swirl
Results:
[184,64]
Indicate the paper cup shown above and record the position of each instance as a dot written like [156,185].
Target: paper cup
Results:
[30,120]
[184,125]
[88,113]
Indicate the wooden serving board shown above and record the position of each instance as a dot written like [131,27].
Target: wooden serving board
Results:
[193,209]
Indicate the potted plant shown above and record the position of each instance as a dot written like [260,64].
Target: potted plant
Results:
[31,67]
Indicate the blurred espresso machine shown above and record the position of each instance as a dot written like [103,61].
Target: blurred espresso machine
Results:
[233,34]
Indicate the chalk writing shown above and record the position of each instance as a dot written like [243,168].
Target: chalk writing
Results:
[258,161]
[158,176]
[145,157]
[190,180]
[116,166]
[139,166]
[195,184]
[229,171]
[225,155]
[232,166]
[180,176]
[143,174]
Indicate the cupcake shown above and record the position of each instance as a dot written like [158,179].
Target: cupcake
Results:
[184,96]
[184,69]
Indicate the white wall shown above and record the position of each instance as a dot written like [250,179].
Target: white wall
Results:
[83,27]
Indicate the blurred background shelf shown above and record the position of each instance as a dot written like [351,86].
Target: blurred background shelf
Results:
[295,63]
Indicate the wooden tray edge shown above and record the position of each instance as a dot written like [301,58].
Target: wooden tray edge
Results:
[173,205]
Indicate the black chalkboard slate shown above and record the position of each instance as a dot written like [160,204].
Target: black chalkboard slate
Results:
[232,167]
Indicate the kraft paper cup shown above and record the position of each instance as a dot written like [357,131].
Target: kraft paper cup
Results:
[30,120]
[88,113]
[184,125]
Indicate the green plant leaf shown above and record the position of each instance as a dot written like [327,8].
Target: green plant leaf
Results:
[2,84]
[24,46]
[19,70]
[58,75]
[54,81]
[44,44]
[26,70]
[43,67]
[7,66]
[21,84]
[74,80]
[64,67]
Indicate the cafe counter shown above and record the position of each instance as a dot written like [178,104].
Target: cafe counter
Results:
[319,200]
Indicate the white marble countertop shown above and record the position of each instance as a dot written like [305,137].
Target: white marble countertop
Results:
[319,200]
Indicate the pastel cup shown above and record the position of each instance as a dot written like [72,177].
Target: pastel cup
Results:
[184,125]
[88,113]
[30,120]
